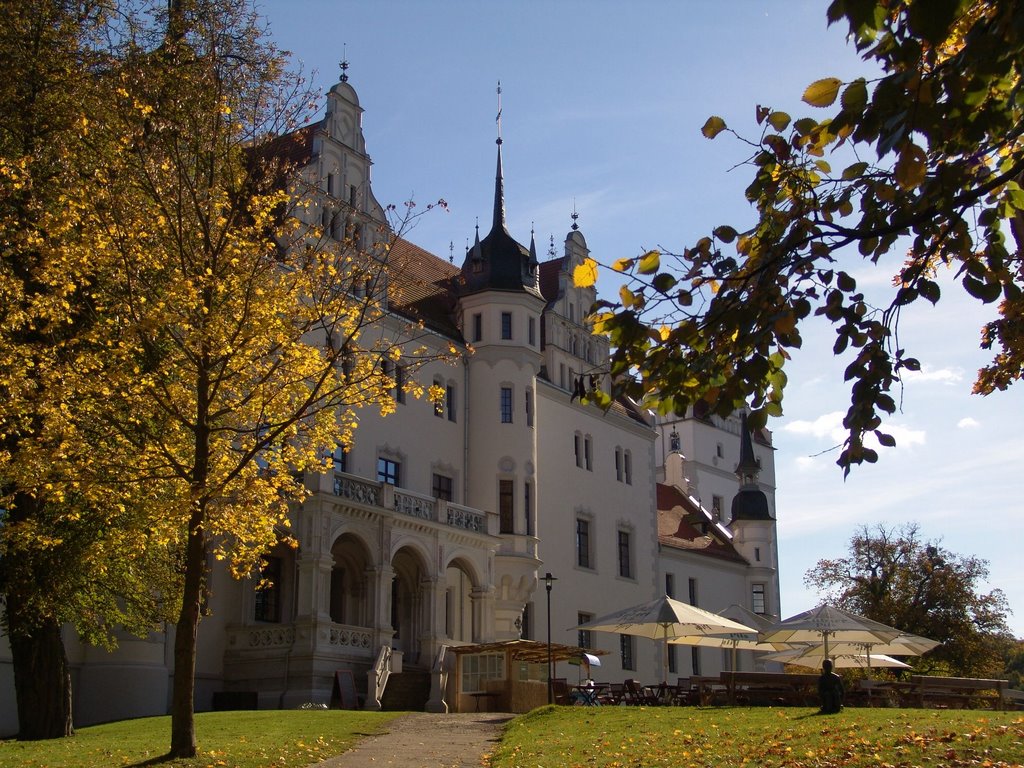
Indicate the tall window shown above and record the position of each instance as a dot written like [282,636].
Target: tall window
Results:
[673,665]
[400,383]
[506,405]
[757,604]
[506,325]
[670,584]
[577,447]
[588,452]
[627,467]
[626,649]
[439,404]
[340,458]
[505,506]
[449,401]
[692,585]
[529,407]
[584,638]
[442,487]
[268,599]
[531,331]
[625,561]
[478,327]
[716,507]
[582,543]
[388,471]
[618,464]
[528,506]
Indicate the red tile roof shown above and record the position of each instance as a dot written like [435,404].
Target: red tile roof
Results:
[420,287]
[680,522]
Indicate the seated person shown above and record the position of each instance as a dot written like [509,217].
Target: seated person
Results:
[830,689]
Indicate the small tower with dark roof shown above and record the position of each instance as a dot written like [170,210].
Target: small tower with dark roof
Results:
[753,527]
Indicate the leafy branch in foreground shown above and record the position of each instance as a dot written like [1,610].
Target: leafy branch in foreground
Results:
[716,323]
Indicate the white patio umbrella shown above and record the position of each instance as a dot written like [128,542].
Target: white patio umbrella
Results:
[904,645]
[813,656]
[827,623]
[736,641]
[663,619]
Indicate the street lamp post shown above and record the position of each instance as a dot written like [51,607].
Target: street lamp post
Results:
[548,580]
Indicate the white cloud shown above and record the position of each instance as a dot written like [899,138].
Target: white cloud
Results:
[967,423]
[948,376]
[830,425]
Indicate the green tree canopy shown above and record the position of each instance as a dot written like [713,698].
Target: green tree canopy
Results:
[893,576]
[927,178]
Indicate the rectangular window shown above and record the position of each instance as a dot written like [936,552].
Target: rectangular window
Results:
[477,668]
[757,603]
[526,631]
[588,450]
[561,375]
[352,195]
[449,401]
[618,464]
[529,407]
[695,659]
[388,471]
[673,665]
[505,506]
[584,638]
[626,649]
[506,405]
[331,189]
[531,330]
[268,599]
[442,487]
[400,383]
[439,404]
[627,467]
[757,554]
[670,584]
[506,325]
[528,506]
[716,507]
[625,561]
[576,447]
[692,585]
[478,327]
[582,543]
[340,458]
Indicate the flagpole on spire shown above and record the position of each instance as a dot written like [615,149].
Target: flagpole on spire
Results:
[498,118]
[499,182]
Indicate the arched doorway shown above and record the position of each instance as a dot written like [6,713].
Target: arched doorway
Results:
[407,610]
[349,601]
[459,603]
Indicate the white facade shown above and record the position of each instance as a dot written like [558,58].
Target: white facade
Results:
[439,523]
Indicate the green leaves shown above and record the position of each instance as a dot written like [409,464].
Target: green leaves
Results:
[822,93]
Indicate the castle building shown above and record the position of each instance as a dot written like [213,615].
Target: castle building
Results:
[439,523]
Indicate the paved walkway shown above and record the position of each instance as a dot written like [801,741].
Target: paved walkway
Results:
[423,740]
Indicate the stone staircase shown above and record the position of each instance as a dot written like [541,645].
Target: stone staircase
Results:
[408,690]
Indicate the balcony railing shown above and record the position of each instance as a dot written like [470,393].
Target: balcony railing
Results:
[414,504]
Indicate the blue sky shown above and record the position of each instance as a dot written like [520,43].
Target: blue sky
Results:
[602,108]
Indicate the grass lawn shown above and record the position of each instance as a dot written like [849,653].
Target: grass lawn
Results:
[282,739]
[627,737]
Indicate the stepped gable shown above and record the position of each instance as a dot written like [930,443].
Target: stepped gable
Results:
[680,523]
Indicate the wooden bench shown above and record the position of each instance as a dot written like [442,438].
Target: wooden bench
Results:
[772,688]
[955,692]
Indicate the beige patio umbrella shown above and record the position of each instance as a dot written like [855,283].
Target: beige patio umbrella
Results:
[736,641]
[813,656]
[664,619]
[826,624]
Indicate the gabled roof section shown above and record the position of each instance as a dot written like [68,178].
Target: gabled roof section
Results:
[685,525]
[420,287]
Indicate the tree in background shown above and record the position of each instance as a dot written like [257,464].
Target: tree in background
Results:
[892,576]
[929,162]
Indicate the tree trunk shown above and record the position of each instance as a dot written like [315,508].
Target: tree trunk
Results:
[183,730]
[42,679]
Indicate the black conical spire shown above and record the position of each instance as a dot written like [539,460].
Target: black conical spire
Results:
[750,503]
[499,179]
[748,466]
